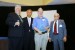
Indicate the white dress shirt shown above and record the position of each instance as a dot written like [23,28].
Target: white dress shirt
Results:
[29,20]
[57,26]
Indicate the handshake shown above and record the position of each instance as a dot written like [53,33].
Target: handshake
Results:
[17,23]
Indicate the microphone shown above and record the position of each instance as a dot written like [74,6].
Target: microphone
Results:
[17,21]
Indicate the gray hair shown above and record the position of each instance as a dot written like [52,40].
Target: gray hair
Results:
[17,6]
[56,14]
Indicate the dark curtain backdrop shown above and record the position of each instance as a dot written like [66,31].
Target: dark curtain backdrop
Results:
[66,11]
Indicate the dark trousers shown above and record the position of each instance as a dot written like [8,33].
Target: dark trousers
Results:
[15,43]
[29,42]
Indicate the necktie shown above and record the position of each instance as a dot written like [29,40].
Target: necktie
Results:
[20,18]
[55,28]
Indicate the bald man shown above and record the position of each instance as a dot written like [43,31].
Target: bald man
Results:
[58,33]
[41,27]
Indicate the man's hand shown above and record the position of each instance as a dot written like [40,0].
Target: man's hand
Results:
[65,39]
[39,32]
[17,23]
[49,39]
[47,28]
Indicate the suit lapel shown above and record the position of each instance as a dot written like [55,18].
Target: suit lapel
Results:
[52,25]
[31,22]
[18,18]
[58,24]
[27,21]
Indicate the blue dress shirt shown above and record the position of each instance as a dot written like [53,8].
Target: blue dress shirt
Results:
[40,23]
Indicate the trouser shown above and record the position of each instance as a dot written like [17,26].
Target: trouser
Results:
[57,43]
[15,43]
[29,41]
[41,41]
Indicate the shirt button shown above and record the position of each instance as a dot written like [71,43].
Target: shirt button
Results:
[29,30]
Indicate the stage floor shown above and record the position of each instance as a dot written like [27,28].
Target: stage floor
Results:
[3,43]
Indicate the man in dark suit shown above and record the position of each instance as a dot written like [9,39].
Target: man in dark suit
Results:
[28,31]
[15,32]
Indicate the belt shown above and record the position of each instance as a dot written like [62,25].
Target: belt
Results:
[42,32]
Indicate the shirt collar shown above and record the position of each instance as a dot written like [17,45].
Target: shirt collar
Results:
[56,21]
[40,18]
[28,17]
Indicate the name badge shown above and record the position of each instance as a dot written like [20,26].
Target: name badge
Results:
[60,25]
[43,19]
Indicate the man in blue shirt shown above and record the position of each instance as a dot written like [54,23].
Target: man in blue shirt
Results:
[41,28]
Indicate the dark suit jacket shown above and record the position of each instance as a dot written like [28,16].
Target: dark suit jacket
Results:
[27,28]
[28,35]
[16,31]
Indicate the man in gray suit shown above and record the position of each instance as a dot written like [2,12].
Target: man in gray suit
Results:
[58,33]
